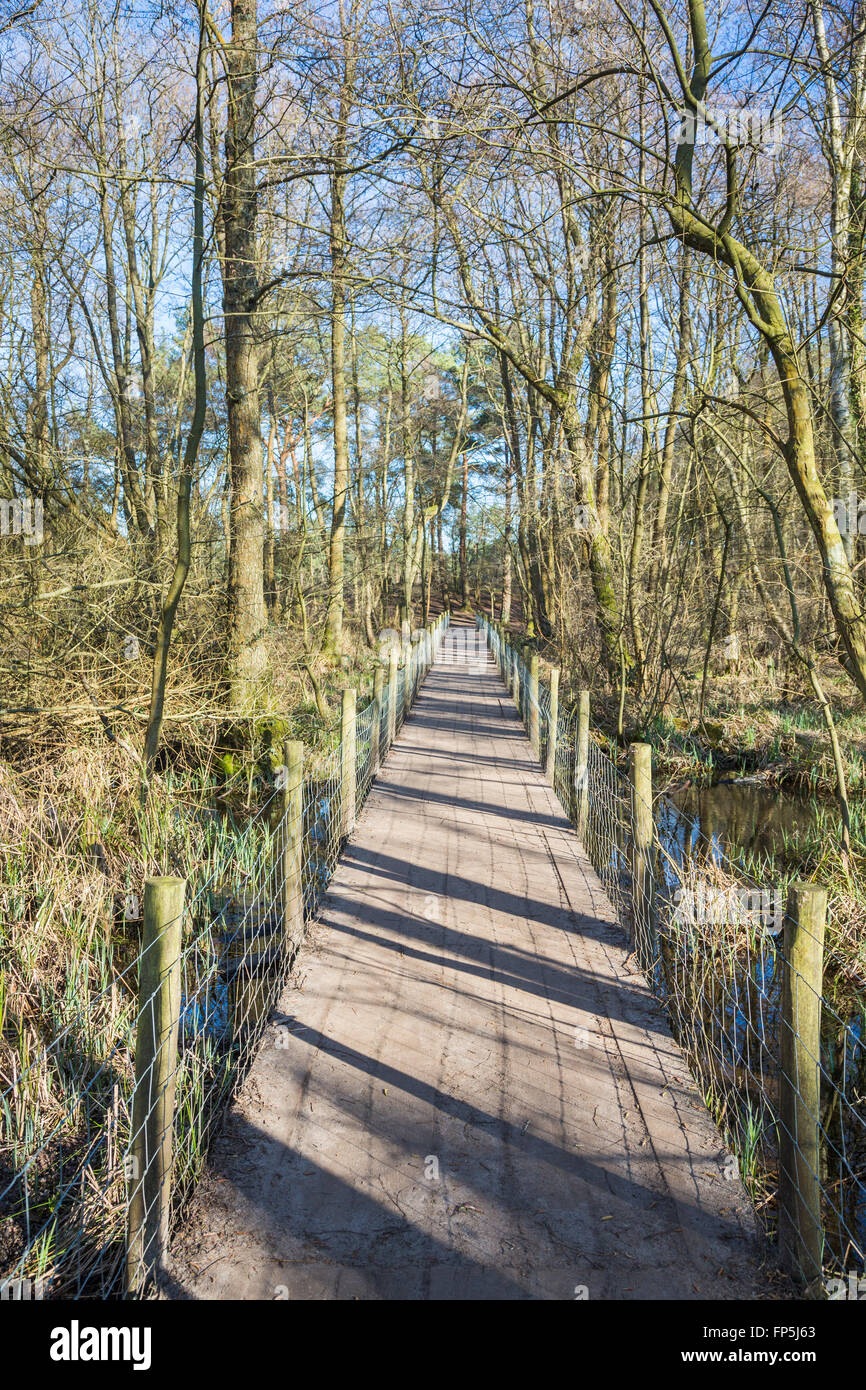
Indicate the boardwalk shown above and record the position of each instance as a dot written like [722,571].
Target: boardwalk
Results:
[465,1091]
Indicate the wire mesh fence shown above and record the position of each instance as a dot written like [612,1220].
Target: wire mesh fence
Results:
[768,1019]
[104,1131]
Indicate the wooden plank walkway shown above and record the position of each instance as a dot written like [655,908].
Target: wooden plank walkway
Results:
[477,1099]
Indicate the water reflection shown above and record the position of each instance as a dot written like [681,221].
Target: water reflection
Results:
[728,1015]
[745,817]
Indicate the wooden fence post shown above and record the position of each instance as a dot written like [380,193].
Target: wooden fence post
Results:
[581,763]
[293,845]
[393,658]
[801,1233]
[532,703]
[150,1149]
[376,724]
[640,771]
[552,725]
[348,760]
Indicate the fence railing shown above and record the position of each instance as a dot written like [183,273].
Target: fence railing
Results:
[765,1014]
[105,1131]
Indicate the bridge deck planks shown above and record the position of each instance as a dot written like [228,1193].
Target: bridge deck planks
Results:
[433,1026]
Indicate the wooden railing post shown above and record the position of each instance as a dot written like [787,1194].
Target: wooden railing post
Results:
[640,771]
[581,763]
[348,755]
[151,1144]
[552,725]
[376,724]
[393,658]
[801,1232]
[293,845]
[532,703]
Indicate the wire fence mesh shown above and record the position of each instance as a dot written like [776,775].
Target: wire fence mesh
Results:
[777,1050]
[97,1157]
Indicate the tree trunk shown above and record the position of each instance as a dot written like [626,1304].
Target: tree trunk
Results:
[336,563]
[506,562]
[246,598]
[464,574]
[756,290]
[182,561]
[333,641]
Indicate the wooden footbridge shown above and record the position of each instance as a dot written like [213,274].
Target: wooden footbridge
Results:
[467,1090]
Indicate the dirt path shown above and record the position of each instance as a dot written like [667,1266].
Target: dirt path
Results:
[464,1092]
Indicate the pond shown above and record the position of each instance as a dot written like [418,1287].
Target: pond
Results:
[746,817]
[741,1022]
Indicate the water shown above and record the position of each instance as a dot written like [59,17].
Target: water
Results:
[206,1001]
[748,818]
